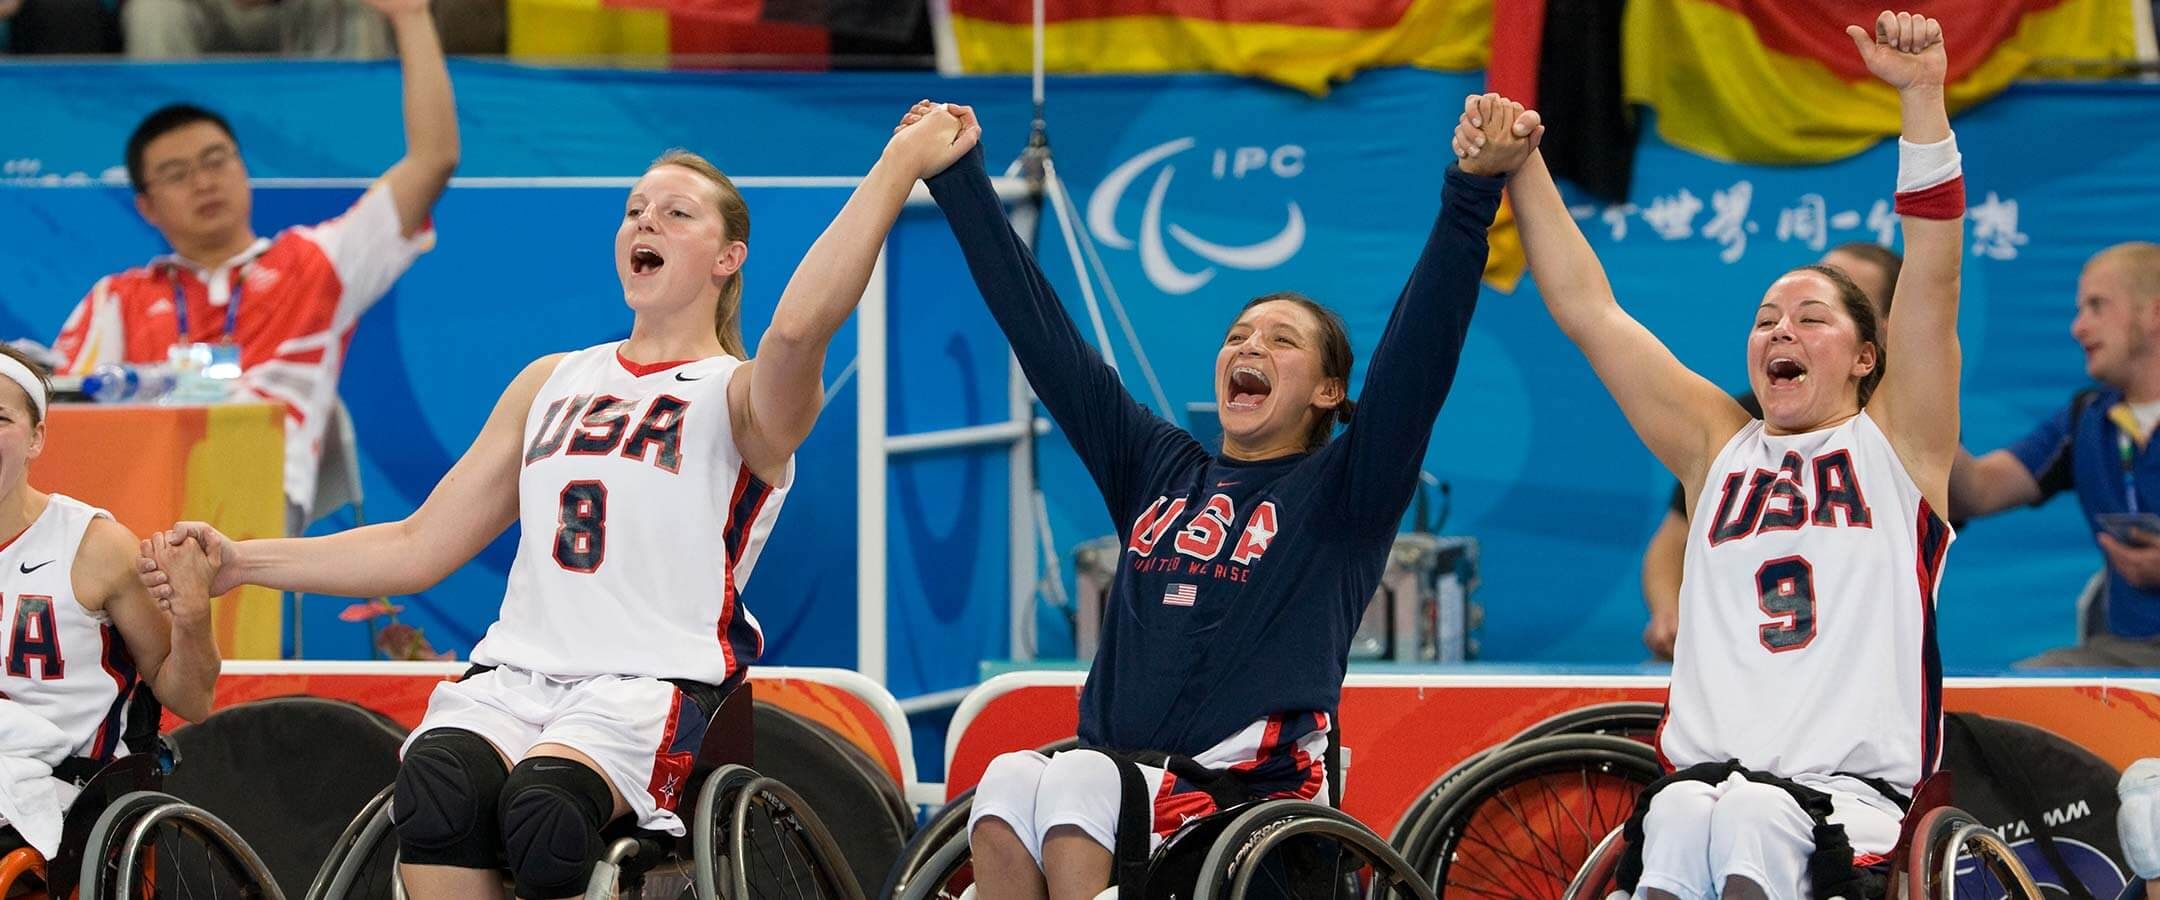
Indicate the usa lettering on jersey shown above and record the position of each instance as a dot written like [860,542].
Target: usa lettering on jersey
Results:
[1823,492]
[33,639]
[596,425]
[1194,549]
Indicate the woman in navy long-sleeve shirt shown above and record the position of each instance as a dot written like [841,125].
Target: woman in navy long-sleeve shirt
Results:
[1245,572]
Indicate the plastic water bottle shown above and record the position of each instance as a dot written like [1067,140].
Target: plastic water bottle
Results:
[116,383]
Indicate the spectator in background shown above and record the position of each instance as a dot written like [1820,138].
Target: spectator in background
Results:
[59,26]
[1875,269]
[285,305]
[2100,446]
[185,29]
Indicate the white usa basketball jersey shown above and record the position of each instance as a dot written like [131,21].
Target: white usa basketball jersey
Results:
[1807,611]
[640,526]
[63,662]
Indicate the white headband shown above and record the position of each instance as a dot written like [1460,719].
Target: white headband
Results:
[21,374]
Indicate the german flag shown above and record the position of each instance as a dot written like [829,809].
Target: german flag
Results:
[763,34]
[1775,81]
[1305,44]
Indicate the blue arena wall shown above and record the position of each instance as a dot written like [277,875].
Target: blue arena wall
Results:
[1540,464]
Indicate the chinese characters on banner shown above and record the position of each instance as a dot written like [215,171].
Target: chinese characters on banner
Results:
[1809,220]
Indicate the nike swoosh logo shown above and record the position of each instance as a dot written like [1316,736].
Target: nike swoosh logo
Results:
[1227,483]
[679,377]
[29,569]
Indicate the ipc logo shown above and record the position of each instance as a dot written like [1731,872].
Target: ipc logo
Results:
[1237,164]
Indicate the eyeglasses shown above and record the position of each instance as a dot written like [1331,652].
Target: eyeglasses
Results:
[179,171]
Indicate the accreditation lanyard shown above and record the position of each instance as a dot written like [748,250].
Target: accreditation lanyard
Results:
[2128,451]
[232,305]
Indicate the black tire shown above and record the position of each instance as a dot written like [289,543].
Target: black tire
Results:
[100,863]
[709,826]
[261,767]
[1453,844]
[1407,833]
[943,874]
[777,847]
[1238,866]
[950,820]
[156,845]
[840,784]
[1947,834]
[363,861]
[945,825]
[1625,718]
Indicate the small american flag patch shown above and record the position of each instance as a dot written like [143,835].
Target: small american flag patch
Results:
[1180,595]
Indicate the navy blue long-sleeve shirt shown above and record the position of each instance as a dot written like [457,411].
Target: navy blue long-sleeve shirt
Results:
[1241,582]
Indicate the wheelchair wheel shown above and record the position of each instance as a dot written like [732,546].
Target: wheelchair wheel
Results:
[1954,857]
[259,766]
[1634,719]
[1297,849]
[948,822]
[854,796]
[947,825]
[1523,821]
[946,874]
[154,845]
[362,864]
[1599,877]
[755,838]
[1627,718]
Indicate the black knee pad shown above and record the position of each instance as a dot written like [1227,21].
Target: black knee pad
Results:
[552,811]
[444,807]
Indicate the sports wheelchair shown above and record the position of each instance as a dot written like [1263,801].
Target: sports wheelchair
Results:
[749,836]
[1942,854]
[1264,848]
[1538,817]
[123,838]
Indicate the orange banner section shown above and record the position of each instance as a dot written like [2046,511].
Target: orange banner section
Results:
[152,466]
[1764,82]
[1306,44]
[1403,732]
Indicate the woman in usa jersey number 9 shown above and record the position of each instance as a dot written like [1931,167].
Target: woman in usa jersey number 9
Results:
[645,475]
[1806,689]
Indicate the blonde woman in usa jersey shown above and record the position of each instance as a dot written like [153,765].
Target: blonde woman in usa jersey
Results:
[78,632]
[1806,691]
[645,476]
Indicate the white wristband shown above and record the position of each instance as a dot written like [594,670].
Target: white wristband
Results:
[1922,166]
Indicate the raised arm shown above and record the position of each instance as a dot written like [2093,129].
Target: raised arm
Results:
[1108,429]
[1414,363]
[472,504]
[1680,416]
[1917,403]
[778,396]
[431,128]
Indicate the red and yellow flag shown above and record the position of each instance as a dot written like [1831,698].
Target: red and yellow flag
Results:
[1774,81]
[1306,44]
[680,33]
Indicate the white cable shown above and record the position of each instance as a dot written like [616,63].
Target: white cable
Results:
[1117,308]
[1053,187]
